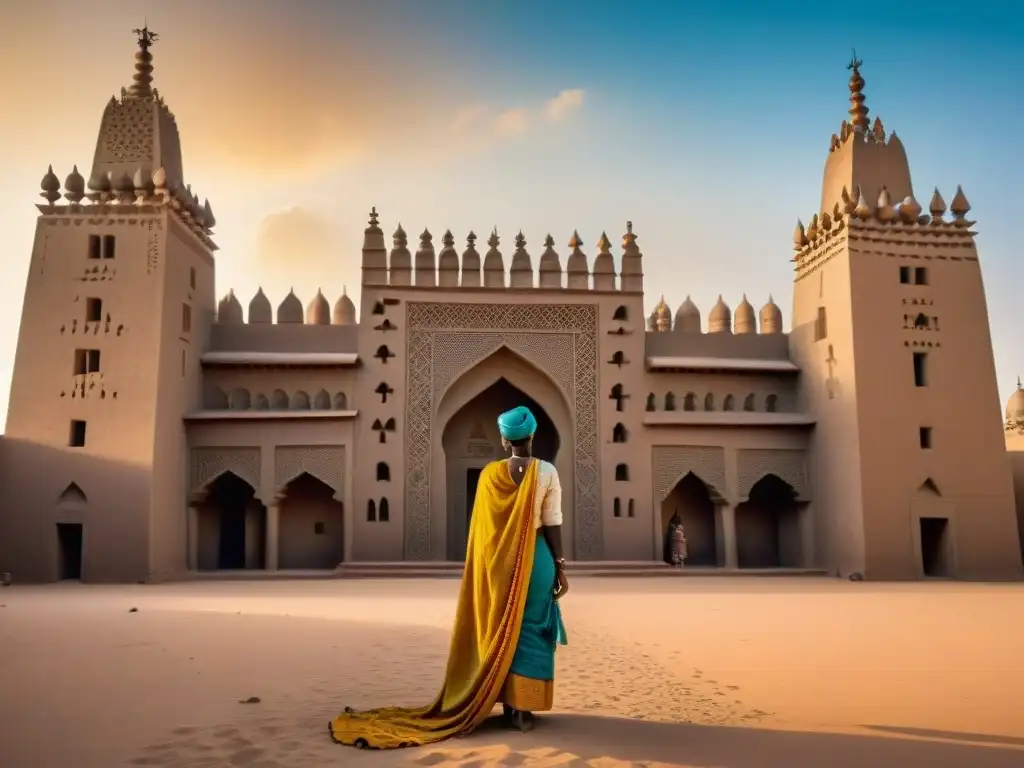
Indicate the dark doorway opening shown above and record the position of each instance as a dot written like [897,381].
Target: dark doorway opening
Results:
[230,496]
[69,544]
[768,526]
[934,534]
[472,481]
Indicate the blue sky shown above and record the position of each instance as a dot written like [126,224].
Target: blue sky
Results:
[705,124]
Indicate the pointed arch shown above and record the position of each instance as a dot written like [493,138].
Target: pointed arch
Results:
[617,507]
[619,433]
[690,402]
[261,403]
[240,399]
[300,401]
[384,510]
[729,403]
[72,496]
[340,401]
[322,401]
[748,402]
[215,399]
[279,400]
[383,471]
[371,511]
[709,401]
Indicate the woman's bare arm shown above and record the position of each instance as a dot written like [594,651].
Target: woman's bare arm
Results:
[553,536]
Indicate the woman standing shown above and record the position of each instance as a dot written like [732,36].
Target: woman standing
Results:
[507,621]
[675,542]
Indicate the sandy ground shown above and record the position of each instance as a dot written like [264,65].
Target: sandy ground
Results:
[765,673]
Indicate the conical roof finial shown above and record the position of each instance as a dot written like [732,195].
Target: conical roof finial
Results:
[858,110]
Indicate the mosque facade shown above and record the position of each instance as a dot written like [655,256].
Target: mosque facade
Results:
[193,434]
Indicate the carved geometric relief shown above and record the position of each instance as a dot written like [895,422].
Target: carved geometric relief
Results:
[550,352]
[447,339]
[127,131]
[210,463]
[672,463]
[324,462]
[786,464]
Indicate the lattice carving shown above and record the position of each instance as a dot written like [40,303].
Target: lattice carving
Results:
[672,463]
[127,130]
[785,464]
[560,338]
[152,247]
[324,462]
[210,463]
[551,352]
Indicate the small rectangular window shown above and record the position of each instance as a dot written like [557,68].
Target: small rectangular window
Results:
[81,362]
[95,246]
[183,362]
[925,437]
[109,246]
[319,529]
[905,275]
[192,278]
[93,310]
[920,276]
[76,438]
[920,369]
[93,362]
[186,318]
[821,325]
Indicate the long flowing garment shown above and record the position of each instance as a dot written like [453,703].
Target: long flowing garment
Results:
[506,627]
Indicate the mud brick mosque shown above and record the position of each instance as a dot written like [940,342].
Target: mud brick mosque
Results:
[154,430]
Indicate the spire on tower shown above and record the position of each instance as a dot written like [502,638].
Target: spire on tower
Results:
[143,64]
[858,110]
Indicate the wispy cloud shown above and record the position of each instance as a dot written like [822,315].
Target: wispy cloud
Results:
[512,122]
[484,121]
[564,104]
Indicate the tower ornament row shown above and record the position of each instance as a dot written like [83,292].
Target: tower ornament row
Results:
[109,192]
[428,268]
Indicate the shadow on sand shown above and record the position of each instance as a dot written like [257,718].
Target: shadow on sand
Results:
[575,741]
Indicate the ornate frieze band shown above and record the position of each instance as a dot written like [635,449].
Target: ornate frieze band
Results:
[445,340]
[324,462]
[672,463]
[789,465]
[210,463]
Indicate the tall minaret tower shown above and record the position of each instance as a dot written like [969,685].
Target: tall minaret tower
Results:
[890,329]
[117,309]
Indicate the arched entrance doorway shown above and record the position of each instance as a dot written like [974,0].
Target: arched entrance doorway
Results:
[768,526]
[471,439]
[468,439]
[231,525]
[691,499]
[311,528]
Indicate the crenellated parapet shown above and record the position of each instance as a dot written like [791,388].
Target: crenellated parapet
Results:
[883,225]
[289,311]
[141,193]
[446,269]
[720,320]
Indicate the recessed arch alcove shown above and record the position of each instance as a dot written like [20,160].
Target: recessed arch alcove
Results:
[231,524]
[466,439]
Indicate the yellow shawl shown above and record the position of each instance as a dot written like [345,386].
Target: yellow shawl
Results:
[489,615]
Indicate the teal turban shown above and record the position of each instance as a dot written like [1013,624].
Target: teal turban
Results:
[517,424]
